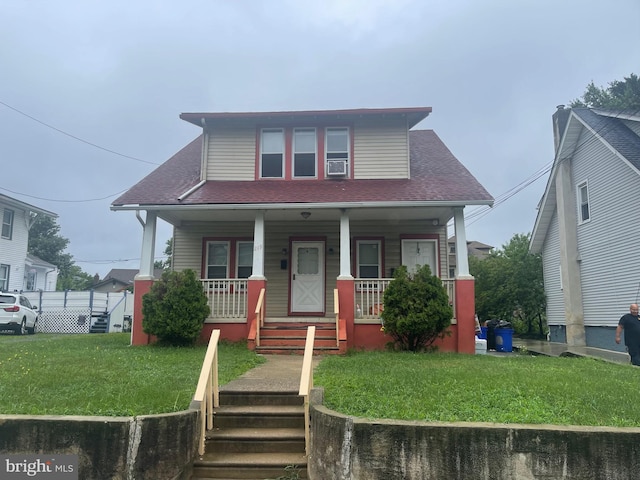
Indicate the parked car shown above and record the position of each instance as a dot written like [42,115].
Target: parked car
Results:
[17,314]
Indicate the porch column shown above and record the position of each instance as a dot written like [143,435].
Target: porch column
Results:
[144,279]
[257,280]
[345,283]
[465,302]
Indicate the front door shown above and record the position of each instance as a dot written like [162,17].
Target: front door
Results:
[307,277]
[419,252]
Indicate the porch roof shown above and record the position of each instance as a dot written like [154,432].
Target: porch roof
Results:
[437,178]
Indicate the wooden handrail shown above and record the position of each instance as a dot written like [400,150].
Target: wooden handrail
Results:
[336,309]
[259,315]
[306,381]
[207,396]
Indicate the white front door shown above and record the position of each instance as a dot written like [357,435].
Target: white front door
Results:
[307,277]
[418,253]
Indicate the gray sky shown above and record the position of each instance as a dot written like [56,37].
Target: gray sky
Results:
[117,74]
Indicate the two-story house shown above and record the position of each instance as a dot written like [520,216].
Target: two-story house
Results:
[584,227]
[20,271]
[303,216]
[474,248]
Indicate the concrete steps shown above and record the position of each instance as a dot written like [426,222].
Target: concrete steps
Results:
[256,435]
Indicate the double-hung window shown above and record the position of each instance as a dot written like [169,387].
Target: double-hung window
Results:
[369,257]
[244,264]
[583,198]
[7,224]
[304,152]
[272,153]
[4,277]
[218,260]
[337,148]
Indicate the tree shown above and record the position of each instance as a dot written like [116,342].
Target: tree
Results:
[619,95]
[416,309]
[46,243]
[509,286]
[168,252]
[175,308]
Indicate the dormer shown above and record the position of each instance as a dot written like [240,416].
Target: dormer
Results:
[307,145]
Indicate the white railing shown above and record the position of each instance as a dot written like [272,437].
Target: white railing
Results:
[207,396]
[306,382]
[227,297]
[369,293]
[369,296]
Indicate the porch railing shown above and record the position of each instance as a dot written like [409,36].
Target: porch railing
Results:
[369,296]
[306,381]
[227,297]
[207,395]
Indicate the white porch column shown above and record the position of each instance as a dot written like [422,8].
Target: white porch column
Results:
[258,247]
[148,245]
[462,258]
[345,247]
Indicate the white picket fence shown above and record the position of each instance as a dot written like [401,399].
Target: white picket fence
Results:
[76,312]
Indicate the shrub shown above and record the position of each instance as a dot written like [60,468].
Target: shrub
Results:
[416,309]
[175,308]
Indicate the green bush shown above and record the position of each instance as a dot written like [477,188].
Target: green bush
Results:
[175,308]
[416,309]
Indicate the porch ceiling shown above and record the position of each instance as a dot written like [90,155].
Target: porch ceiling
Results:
[433,215]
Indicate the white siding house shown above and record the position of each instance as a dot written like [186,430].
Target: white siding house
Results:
[18,270]
[585,226]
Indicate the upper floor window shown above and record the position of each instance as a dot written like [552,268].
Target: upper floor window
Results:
[304,152]
[4,278]
[272,153]
[583,198]
[7,224]
[337,150]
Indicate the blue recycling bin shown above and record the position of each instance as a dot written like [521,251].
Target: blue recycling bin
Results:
[504,339]
[483,333]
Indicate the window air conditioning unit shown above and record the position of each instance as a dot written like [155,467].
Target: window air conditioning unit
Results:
[337,167]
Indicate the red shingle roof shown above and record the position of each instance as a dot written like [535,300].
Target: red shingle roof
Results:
[436,175]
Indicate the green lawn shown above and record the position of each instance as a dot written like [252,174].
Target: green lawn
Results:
[482,388]
[101,374]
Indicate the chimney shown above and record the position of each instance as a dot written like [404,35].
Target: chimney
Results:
[560,120]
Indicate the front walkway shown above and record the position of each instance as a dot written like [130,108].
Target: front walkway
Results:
[554,349]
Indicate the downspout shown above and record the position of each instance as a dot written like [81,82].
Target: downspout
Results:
[46,274]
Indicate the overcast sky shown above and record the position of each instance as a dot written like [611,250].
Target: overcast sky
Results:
[117,74]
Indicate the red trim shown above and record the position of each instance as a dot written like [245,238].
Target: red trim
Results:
[288,153]
[321,152]
[425,236]
[324,275]
[354,249]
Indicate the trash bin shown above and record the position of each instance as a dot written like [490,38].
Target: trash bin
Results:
[504,339]
[491,333]
[483,333]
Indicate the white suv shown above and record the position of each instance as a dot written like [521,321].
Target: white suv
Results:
[17,314]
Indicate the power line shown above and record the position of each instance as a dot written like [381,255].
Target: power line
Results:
[76,138]
[64,201]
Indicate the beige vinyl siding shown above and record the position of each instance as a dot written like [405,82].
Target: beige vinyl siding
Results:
[380,150]
[231,154]
[188,250]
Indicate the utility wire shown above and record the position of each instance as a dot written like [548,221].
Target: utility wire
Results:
[64,201]
[76,138]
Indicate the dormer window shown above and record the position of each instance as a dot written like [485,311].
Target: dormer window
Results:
[337,151]
[304,152]
[272,153]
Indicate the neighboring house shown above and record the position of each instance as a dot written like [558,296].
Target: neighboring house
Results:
[289,207]
[20,271]
[119,279]
[585,224]
[476,249]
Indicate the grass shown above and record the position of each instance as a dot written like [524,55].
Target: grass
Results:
[102,374]
[481,388]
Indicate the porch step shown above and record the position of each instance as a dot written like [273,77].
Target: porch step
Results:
[289,338]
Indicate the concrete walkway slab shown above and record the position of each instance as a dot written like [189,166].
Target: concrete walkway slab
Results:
[555,349]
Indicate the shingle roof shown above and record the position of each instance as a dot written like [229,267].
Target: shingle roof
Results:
[436,175]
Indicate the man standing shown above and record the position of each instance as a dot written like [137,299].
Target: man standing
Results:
[630,323]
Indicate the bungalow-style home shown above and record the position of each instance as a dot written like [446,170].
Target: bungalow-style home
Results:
[474,248]
[119,279]
[584,227]
[300,218]
[20,271]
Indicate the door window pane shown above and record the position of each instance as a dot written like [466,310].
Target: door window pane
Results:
[308,261]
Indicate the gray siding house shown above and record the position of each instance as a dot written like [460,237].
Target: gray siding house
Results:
[585,225]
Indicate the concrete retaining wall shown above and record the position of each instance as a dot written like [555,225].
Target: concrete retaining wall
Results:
[146,447]
[346,448]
